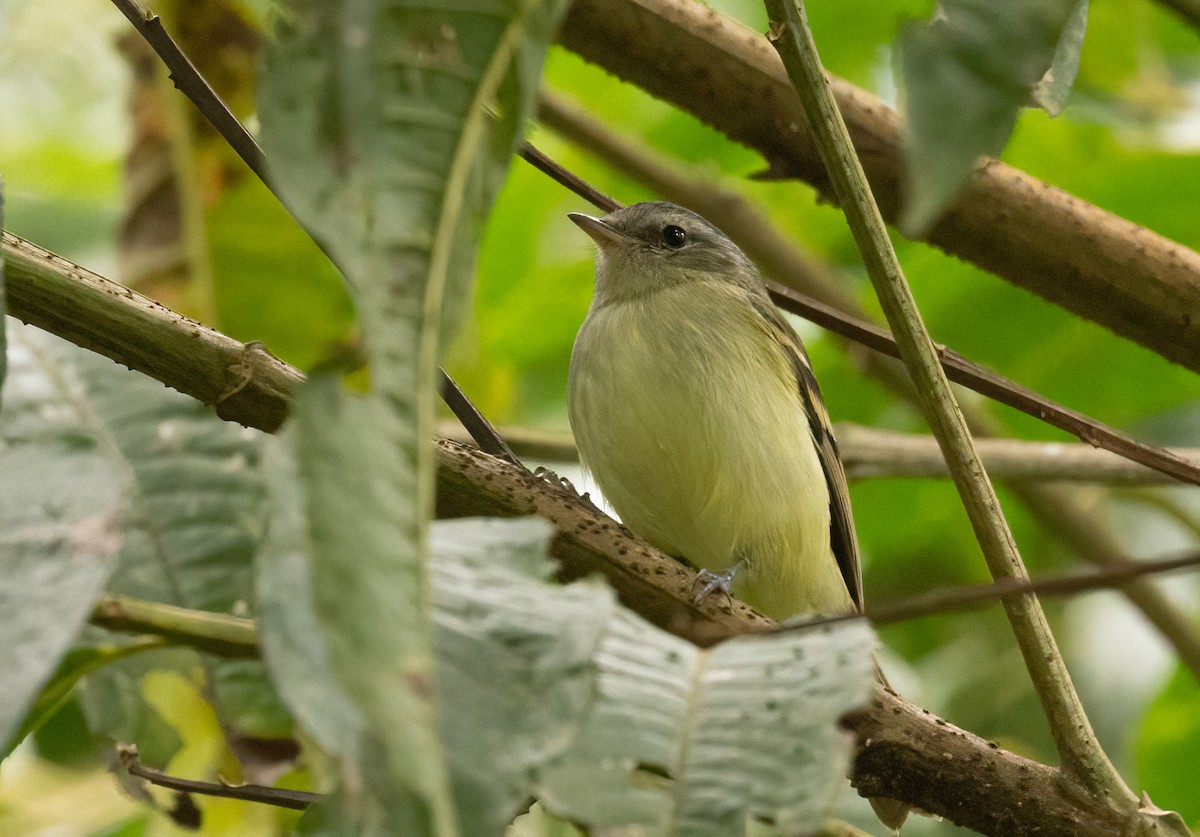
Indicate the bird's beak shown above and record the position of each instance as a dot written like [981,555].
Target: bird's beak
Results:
[600,231]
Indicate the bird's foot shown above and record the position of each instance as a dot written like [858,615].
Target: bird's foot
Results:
[708,582]
[554,479]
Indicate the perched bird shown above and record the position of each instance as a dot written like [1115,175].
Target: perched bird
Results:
[695,409]
[694,406]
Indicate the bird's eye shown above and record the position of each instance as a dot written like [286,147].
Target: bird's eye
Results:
[674,237]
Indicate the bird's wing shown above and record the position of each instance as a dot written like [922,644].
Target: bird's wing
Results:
[842,538]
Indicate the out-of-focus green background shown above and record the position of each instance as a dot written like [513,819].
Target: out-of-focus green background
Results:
[1129,141]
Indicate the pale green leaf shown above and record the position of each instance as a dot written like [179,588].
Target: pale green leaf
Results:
[1051,92]
[967,72]
[195,520]
[62,500]
[388,130]
[746,730]
[77,663]
[516,669]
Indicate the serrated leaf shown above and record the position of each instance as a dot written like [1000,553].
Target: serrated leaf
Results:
[61,504]
[967,72]
[516,670]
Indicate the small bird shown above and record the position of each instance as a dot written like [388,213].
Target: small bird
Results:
[695,409]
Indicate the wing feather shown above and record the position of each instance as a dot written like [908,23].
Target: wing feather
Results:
[842,536]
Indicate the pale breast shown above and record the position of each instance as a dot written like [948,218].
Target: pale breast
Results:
[686,413]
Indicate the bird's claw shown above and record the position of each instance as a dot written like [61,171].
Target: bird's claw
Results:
[551,477]
[707,582]
[562,482]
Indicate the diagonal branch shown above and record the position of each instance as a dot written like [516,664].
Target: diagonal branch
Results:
[1082,757]
[279,797]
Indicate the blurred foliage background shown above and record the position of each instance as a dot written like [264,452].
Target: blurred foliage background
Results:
[106,164]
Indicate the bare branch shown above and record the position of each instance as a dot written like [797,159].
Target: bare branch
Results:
[243,381]
[279,797]
[189,81]
[868,452]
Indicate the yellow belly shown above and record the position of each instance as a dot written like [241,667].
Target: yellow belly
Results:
[701,444]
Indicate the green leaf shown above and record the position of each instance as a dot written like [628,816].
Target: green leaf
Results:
[1051,92]
[195,520]
[358,536]
[61,505]
[56,692]
[293,646]
[745,730]
[388,130]
[967,72]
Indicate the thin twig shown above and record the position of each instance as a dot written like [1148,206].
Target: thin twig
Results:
[1082,757]
[971,596]
[193,85]
[279,797]
[1087,533]
[473,422]
[869,452]
[994,386]
[564,177]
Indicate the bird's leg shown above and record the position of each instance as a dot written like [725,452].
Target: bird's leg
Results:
[707,582]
